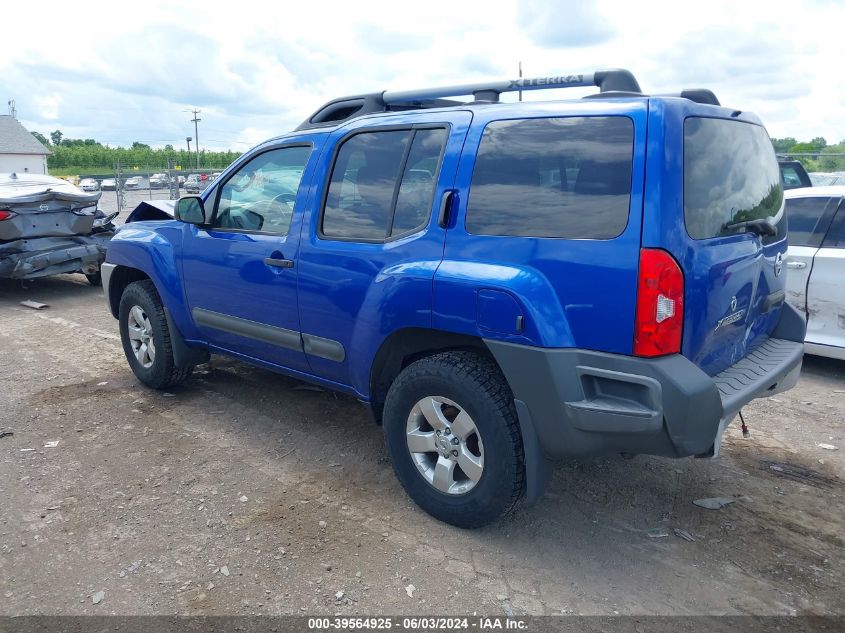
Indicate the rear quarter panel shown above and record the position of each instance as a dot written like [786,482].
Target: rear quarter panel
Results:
[572,292]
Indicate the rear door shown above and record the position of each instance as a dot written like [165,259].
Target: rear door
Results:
[709,170]
[371,240]
[826,289]
[808,218]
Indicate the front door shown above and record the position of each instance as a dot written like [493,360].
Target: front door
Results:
[240,272]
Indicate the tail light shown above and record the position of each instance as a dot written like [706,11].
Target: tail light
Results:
[660,304]
[5,214]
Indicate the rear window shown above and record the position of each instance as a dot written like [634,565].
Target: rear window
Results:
[567,177]
[730,175]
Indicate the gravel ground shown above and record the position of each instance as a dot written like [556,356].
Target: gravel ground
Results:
[245,492]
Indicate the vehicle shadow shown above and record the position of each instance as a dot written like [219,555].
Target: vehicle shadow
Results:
[47,289]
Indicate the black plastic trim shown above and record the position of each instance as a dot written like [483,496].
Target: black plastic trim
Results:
[323,347]
[662,406]
[289,339]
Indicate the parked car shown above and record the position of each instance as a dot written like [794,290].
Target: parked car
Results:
[89,184]
[793,174]
[816,262]
[49,226]
[543,295]
[196,183]
[159,181]
[108,184]
[820,179]
[134,182]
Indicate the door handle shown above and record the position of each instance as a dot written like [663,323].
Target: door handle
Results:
[446,203]
[278,263]
[796,264]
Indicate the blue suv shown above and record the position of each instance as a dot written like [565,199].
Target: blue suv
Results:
[502,284]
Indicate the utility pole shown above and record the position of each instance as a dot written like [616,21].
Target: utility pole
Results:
[197,134]
[520,76]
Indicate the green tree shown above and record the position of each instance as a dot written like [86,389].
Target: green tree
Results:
[56,136]
[783,145]
[41,138]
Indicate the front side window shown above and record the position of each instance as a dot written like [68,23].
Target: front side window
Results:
[731,176]
[261,195]
[567,177]
[382,184]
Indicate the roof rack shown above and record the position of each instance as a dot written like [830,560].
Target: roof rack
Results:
[611,83]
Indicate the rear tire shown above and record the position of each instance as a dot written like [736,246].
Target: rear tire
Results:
[146,337]
[477,474]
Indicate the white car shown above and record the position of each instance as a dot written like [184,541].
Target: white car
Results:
[89,184]
[133,183]
[815,282]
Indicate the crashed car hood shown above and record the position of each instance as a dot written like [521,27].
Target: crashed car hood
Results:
[152,210]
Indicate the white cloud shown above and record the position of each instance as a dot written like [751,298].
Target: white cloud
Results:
[258,69]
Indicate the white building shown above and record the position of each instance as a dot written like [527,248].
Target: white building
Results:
[20,151]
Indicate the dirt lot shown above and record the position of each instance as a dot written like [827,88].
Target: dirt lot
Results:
[247,492]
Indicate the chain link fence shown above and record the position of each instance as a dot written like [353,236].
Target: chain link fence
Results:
[131,183]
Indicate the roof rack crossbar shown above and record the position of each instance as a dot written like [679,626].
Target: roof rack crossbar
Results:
[606,80]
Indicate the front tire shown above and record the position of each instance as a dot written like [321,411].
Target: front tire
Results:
[146,337]
[453,438]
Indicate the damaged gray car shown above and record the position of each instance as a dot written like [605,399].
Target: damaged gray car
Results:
[48,226]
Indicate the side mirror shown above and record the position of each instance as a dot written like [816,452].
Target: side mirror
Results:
[190,209]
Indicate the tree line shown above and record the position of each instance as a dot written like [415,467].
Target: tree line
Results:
[89,155]
[815,155]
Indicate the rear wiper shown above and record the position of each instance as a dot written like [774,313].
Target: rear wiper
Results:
[761,226]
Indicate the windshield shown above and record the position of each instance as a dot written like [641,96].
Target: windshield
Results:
[731,176]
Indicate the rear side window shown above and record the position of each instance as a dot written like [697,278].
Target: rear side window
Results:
[836,235]
[791,177]
[382,184]
[730,175]
[567,177]
[808,220]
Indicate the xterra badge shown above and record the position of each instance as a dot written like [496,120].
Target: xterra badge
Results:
[734,316]
[778,264]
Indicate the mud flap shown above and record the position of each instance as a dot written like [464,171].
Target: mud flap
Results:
[184,355]
[538,470]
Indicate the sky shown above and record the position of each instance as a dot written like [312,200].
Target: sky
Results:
[121,72]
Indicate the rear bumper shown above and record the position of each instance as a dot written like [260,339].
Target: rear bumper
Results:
[582,402]
[40,257]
